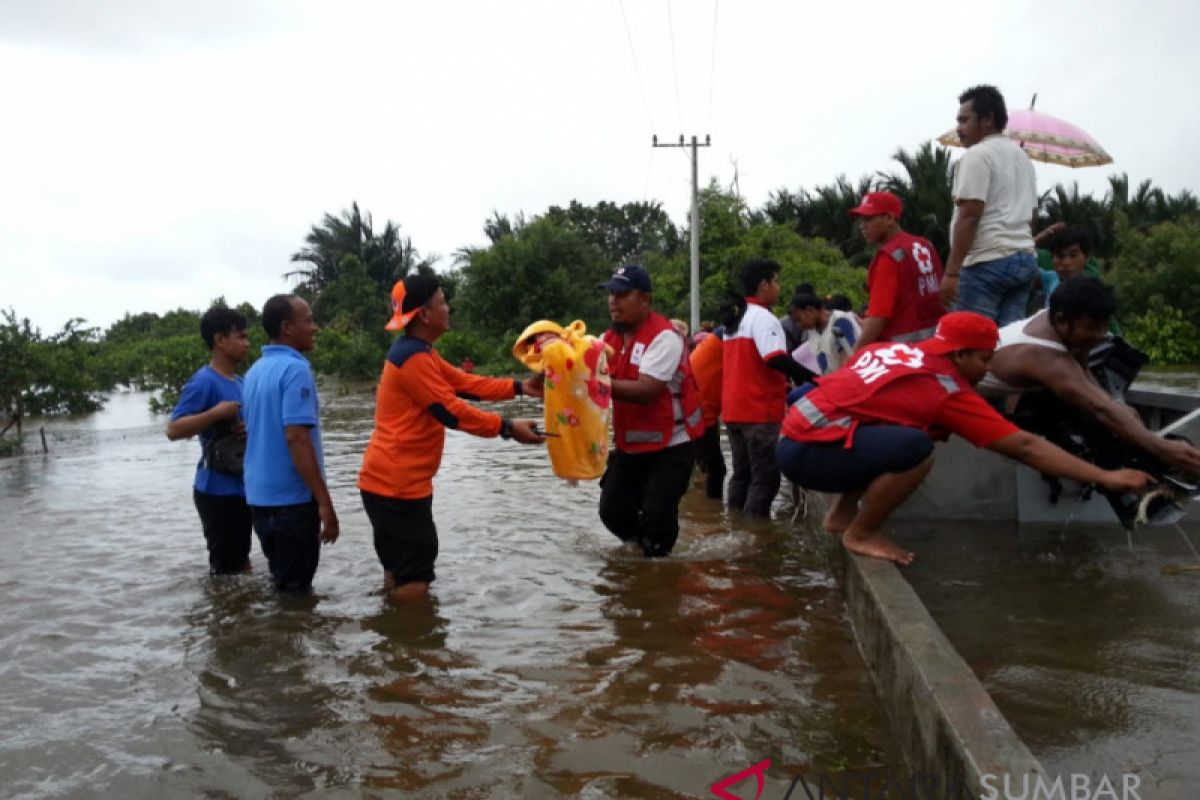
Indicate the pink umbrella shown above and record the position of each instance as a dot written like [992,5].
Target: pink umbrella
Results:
[1046,138]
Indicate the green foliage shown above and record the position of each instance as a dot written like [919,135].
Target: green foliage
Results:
[619,233]
[1166,336]
[729,238]
[353,354]
[543,270]
[1158,269]
[47,375]
[10,444]
[455,345]
[352,301]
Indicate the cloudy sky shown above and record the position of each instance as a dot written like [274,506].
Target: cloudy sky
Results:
[158,154]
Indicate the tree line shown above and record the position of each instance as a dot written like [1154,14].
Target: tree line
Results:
[548,265]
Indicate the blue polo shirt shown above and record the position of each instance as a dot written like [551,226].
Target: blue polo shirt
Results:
[279,391]
[205,389]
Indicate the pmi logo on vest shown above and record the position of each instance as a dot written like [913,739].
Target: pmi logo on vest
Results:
[750,784]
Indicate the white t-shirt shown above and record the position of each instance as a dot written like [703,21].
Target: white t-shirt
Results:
[997,171]
[661,361]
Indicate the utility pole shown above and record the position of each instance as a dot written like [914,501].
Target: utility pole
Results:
[695,282]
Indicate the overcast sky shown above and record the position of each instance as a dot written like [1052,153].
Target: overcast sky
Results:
[158,154]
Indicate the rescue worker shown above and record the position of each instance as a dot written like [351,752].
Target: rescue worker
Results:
[866,431]
[902,281]
[656,416]
[419,396]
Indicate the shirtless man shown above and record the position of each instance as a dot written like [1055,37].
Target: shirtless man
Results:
[1049,351]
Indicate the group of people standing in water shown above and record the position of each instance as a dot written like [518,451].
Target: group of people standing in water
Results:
[833,402]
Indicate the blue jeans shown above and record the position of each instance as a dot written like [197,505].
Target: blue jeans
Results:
[998,289]
[289,536]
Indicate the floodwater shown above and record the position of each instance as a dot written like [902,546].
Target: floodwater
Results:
[1091,646]
[1087,639]
[551,662]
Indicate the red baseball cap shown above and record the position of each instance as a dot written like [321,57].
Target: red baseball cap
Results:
[875,203]
[962,330]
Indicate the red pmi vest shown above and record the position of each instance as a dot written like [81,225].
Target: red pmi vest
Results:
[918,307]
[645,427]
[850,396]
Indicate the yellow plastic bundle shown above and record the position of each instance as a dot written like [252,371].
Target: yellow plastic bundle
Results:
[578,395]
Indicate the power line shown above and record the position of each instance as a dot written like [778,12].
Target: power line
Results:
[712,66]
[637,72]
[674,64]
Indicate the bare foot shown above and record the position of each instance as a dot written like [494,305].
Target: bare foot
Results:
[408,592]
[841,513]
[877,545]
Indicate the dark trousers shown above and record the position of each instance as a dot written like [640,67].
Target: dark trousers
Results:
[833,467]
[755,480]
[289,536]
[711,461]
[640,493]
[225,520]
[405,535]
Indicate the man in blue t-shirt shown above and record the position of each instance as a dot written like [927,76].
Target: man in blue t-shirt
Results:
[210,405]
[285,472]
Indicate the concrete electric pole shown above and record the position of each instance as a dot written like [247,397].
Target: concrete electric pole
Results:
[695,281]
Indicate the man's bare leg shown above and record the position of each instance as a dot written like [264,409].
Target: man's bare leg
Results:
[863,536]
[406,592]
[842,511]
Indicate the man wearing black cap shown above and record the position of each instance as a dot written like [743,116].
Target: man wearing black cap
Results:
[656,415]
[419,396]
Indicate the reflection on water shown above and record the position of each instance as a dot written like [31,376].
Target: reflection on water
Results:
[550,661]
[1089,649]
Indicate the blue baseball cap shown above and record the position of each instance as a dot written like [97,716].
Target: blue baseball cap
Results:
[630,276]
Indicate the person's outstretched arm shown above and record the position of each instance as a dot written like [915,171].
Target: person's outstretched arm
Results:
[788,366]
[1062,375]
[1036,452]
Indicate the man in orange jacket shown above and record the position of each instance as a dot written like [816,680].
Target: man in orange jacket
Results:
[418,398]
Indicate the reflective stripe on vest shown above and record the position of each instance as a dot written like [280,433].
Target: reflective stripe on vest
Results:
[814,416]
[643,437]
[947,383]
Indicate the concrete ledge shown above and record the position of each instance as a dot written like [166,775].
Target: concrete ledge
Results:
[946,723]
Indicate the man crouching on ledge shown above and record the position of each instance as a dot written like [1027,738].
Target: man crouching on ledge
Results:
[866,431]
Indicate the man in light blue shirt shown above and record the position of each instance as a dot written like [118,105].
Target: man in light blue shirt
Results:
[284,467]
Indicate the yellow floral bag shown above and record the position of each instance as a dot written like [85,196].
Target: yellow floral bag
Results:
[578,395]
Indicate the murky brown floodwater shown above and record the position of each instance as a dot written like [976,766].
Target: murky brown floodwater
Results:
[1089,649]
[551,662]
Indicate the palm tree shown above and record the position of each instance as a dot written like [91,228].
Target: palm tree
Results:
[925,189]
[1060,205]
[386,257]
[823,213]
